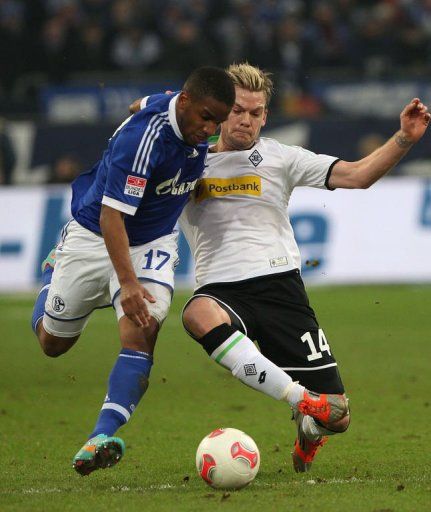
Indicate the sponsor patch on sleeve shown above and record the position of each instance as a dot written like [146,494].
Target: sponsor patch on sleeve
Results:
[135,186]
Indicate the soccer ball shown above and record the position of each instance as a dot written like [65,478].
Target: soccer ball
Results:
[227,458]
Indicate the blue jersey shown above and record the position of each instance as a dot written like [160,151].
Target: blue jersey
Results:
[147,172]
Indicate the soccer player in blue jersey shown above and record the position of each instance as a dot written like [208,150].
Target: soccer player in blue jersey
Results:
[120,247]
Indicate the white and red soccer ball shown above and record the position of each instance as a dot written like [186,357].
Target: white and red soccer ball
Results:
[227,458]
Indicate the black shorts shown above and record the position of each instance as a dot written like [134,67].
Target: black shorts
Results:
[274,311]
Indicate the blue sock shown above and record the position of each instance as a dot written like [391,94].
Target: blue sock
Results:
[39,306]
[127,384]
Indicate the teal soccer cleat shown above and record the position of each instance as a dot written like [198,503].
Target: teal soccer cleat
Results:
[49,261]
[99,452]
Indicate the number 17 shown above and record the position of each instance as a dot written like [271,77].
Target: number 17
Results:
[159,254]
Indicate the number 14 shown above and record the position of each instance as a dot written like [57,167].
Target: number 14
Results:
[323,345]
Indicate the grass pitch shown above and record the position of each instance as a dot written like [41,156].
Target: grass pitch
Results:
[380,336]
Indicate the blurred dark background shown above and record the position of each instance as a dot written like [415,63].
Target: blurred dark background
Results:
[343,69]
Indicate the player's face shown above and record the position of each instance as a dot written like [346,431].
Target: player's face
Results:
[199,119]
[248,115]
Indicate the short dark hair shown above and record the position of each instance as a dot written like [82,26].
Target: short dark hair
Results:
[211,81]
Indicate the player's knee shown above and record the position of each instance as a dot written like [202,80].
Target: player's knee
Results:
[53,349]
[137,338]
[54,346]
[201,315]
[190,319]
[192,323]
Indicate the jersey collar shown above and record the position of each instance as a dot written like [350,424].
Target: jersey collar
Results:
[212,148]
[173,117]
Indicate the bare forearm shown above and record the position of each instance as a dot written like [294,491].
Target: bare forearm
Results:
[384,159]
[117,243]
[414,120]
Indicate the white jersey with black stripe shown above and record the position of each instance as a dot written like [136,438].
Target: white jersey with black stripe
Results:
[237,222]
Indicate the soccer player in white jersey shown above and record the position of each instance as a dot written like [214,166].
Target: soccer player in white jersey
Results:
[121,236]
[247,263]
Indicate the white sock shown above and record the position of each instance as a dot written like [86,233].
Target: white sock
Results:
[241,356]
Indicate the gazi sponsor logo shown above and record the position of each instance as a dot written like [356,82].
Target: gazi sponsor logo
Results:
[174,188]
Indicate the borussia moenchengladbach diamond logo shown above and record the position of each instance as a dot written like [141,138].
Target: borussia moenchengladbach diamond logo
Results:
[255,158]
[250,369]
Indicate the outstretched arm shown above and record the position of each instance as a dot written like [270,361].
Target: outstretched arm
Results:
[363,173]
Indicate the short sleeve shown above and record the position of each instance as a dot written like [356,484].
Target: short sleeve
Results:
[149,100]
[134,155]
[311,169]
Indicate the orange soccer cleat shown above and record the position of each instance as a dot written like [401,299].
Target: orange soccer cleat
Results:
[304,451]
[323,407]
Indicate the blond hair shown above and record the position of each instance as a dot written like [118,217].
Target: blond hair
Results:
[252,79]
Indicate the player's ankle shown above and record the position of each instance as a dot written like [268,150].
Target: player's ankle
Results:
[294,393]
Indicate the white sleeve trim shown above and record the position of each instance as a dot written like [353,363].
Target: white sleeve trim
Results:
[144,102]
[118,205]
